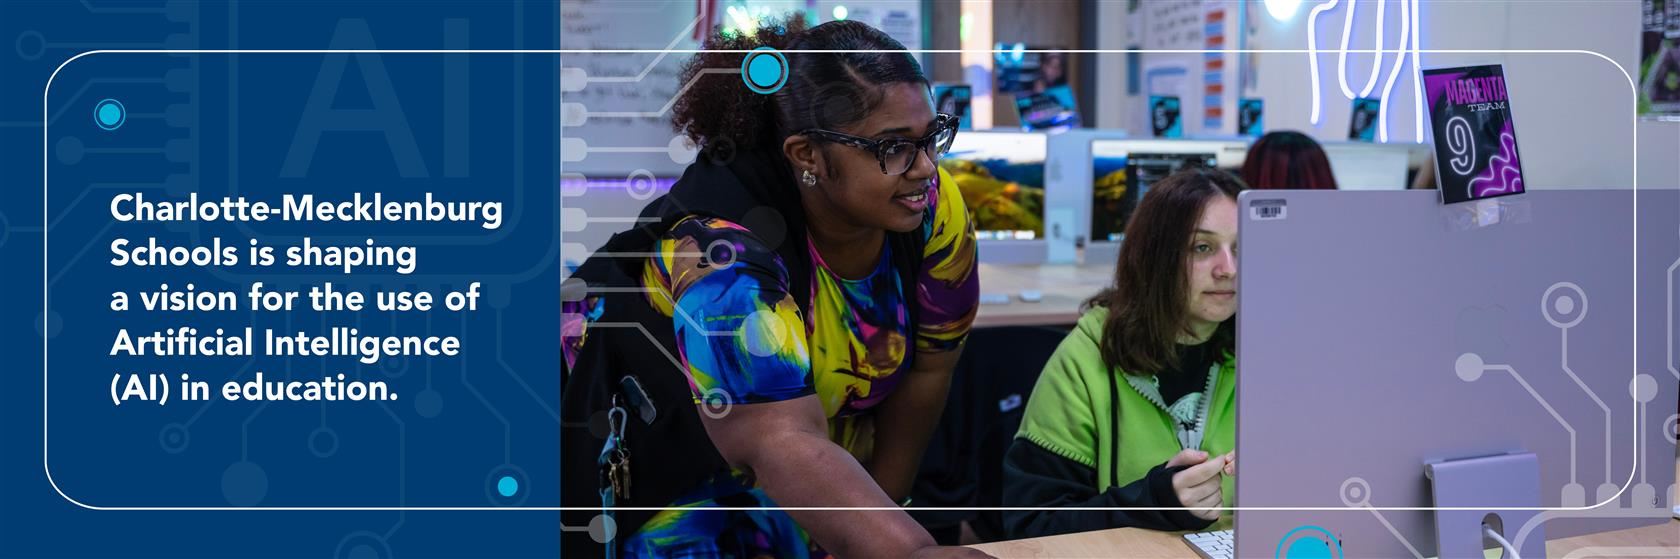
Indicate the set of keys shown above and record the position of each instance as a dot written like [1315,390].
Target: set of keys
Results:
[615,456]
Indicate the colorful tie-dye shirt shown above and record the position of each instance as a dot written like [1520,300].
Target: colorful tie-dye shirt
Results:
[742,340]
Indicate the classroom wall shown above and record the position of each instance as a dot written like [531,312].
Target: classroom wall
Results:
[1050,24]
[1574,111]
[625,97]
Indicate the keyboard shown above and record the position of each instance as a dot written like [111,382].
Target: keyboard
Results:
[1212,545]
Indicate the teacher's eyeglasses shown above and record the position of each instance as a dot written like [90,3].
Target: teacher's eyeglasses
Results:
[897,155]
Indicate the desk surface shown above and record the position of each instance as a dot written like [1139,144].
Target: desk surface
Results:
[1662,540]
[1064,288]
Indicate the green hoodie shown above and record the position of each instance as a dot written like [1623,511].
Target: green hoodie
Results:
[1072,413]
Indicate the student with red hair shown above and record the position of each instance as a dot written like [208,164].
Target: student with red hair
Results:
[1289,160]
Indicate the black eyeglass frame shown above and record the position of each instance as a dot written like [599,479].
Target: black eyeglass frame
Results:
[942,123]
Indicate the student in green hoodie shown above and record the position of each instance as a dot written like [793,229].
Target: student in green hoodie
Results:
[1136,406]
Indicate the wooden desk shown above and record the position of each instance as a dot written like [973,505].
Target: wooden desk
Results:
[1064,288]
[1662,540]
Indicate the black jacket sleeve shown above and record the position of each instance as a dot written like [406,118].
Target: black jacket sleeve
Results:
[1036,477]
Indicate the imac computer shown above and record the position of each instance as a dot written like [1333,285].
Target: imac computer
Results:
[1001,175]
[1120,179]
[1123,170]
[1068,174]
[1410,371]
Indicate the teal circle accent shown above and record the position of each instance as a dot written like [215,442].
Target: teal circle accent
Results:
[109,114]
[507,485]
[764,70]
[1309,547]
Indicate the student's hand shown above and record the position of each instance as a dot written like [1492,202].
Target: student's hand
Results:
[1197,487]
[1231,463]
[947,552]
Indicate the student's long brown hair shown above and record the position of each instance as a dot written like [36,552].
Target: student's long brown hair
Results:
[1147,303]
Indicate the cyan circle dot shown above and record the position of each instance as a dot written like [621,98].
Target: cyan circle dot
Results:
[764,70]
[109,114]
[1564,305]
[507,486]
[1308,548]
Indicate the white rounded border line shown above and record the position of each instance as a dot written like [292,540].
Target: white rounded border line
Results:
[45,296]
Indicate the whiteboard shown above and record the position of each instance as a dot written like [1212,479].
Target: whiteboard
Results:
[611,87]
[1183,25]
[615,107]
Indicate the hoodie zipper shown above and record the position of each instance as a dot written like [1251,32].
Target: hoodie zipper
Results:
[1207,401]
[1153,395]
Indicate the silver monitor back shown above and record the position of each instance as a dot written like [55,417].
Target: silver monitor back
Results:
[1067,191]
[1379,331]
[1369,166]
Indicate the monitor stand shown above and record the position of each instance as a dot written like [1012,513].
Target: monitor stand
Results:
[1475,484]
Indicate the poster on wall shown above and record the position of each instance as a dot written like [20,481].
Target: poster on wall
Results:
[1213,67]
[1362,125]
[1051,110]
[1164,116]
[1023,69]
[1251,117]
[1659,59]
[953,99]
[1475,136]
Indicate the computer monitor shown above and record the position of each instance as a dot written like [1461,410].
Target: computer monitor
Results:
[1121,179]
[1368,166]
[1123,170]
[1378,332]
[1001,175]
[1068,190]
